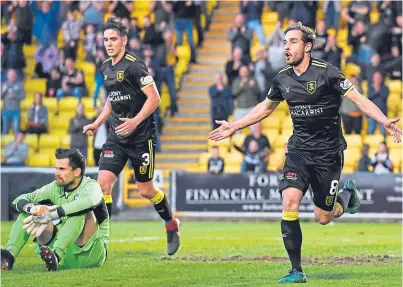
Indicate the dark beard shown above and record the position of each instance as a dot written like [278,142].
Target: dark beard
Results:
[299,61]
[66,185]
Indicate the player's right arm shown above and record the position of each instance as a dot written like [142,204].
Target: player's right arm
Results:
[106,112]
[25,202]
[258,113]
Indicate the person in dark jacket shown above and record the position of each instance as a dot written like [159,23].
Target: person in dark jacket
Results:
[37,116]
[378,93]
[221,101]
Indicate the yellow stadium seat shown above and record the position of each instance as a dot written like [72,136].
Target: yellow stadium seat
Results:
[272,136]
[225,143]
[373,140]
[25,104]
[353,141]
[47,141]
[59,123]
[65,141]
[233,168]
[204,157]
[352,155]
[276,160]
[364,86]
[35,85]
[86,67]
[31,140]
[272,123]
[39,160]
[394,102]
[59,132]
[269,18]
[238,139]
[286,123]
[281,141]
[349,169]
[395,87]
[287,132]
[5,139]
[50,103]
[183,52]
[391,144]
[351,69]
[282,107]
[234,157]
[395,156]
[68,104]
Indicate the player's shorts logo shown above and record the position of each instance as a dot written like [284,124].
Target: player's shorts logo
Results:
[76,197]
[105,76]
[109,154]
[143,169]
[329,200]
[120,76]
[311,87]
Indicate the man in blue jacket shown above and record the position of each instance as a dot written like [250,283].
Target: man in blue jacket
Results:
[221,100]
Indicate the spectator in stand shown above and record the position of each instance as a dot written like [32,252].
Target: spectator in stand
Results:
[134,29]
[252,11]
[240,35]
[37,116]
[46,26]
[396,32]
[99,42]
[379,39]
[394,64]
[331,9]
[163,13]
[72,82]
[232,67]
[378,93]
[215,164]
[361,51]
[246,93]
[333,53]
[304,11]
[283,8]
[253,159]
[368,70]
[89,42]
[350,113]
[121,9]
[221,104]
[16,152]
[275,46]
[198,11]
[24,20]
[153,35]
[46,58]
[136,48]
[71,34]
[365,162]
[61,62]
[380,161]
[6,11]
[264,73]
[93,12]
[389,10]
[264,147]
[99,137]
[53,83]
[13,56]
[356,11]
[321,39]
[99,78]
[182,11]
[79,140]
[12,93]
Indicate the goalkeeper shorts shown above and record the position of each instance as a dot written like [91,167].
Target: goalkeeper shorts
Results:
[92,254]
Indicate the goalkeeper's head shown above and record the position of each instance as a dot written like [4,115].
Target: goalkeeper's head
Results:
[70,167]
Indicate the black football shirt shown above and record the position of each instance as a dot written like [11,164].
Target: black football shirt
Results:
[124,84]
[314,100]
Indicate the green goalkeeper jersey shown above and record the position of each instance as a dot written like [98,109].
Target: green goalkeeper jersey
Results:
[86,197]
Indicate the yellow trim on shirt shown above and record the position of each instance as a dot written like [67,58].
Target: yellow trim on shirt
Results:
[149,85]
[273,101]
[107,60]
[349,89]
[130,58]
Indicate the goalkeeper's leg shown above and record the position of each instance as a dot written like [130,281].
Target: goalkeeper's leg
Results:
[16,241]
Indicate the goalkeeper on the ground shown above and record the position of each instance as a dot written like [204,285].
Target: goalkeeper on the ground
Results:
[67,217]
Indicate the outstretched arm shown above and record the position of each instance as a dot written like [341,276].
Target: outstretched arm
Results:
[371,110]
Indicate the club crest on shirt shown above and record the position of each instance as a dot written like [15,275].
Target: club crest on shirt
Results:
[120,76]
[311,87]
[329,200]
[143,169]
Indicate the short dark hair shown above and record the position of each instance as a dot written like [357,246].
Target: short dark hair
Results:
[112,23]
[308,34]
[76,158]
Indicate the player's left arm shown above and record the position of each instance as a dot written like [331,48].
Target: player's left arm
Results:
[146,83]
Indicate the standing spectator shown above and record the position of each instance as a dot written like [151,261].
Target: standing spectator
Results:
[136,48]
[368,70]
[46,58]
[72,82]
[378,93]
[61,62]
[356,11]
[182,11]
[24,21]
[232,67]
[365,162]
[246,93]
[380,161]
[71,34]
[16,152]
[333,53]
[264,147]
[134,29]
[163,12]
[350,113]
[221,101]
[275,46]
[357,38]
[283,8]
[13,56]
[37,116]
[396,32]
[121,9]
[89,43]
[198,11]
[331,9]
[215,163]
[6,11]
[321,39]
[53,83]
[264,73]
[12,93]
[304,11]
[153,35]
[389,10]
[252,11]
[99,78]
[99,137]
[240,35]
[253,160]
[93,12]
[79,140]
[394,64]
[46,23]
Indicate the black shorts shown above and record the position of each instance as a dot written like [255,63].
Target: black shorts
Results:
[322,172]
[114,157]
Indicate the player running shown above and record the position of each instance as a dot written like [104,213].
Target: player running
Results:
[132,99]
[74,231]
[313,90]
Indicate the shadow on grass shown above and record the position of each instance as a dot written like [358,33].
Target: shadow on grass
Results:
[335,276]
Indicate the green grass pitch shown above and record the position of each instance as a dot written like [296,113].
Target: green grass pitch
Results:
[228,254]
